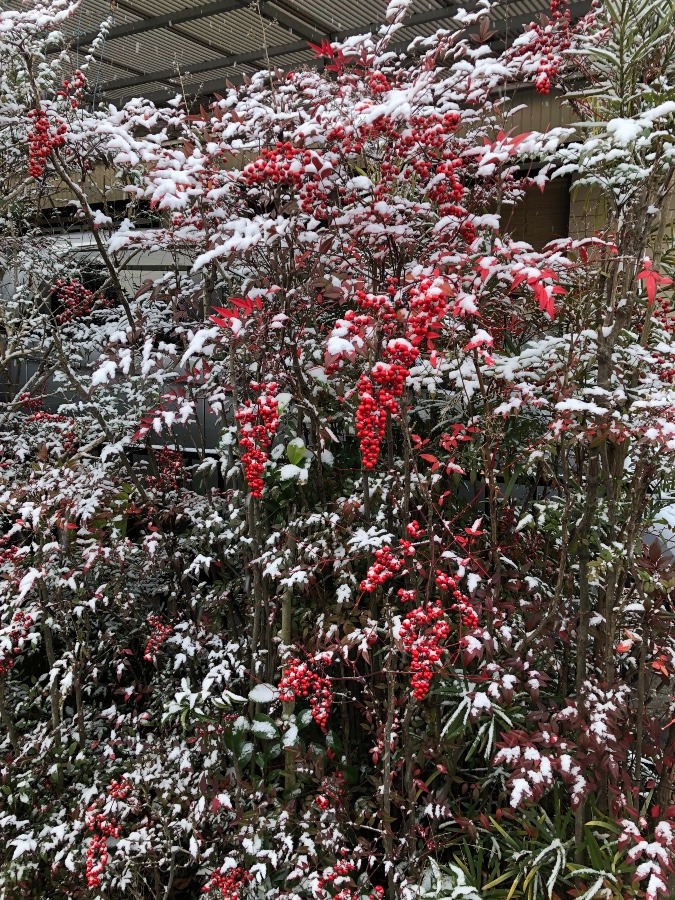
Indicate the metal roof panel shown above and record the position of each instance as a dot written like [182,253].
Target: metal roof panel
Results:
[164,52]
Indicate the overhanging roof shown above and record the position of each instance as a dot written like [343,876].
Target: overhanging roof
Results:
[159,48]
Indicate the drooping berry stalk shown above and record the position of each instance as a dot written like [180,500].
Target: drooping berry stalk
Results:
[258,423]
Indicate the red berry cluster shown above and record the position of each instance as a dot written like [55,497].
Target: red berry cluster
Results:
[42,139]
[295,167]
[550,41]
[462,604]
[387,564]
[280,165]
[229,883]
[343,868]
[345,139]
[18,632]
[428,133]
[414,529]
[322,802]
[447,191]
[381,306]
[170,471]
[390,378]
[29,402]
[300,680]
[353,894]
[423,151]
[160,631]
[333,792]
[72,89]
[374,404]
[97,851]
[315,192]
[74,298]
[428,308]
[257,426]
[423,632]
[379,83]
[664,316]
[401,351]
[666,371]
[9,551]
[119,790]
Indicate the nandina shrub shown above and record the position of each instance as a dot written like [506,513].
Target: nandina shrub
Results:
[392,631]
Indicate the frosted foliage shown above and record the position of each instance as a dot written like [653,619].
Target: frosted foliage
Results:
[334,515]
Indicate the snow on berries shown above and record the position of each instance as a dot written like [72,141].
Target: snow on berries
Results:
[72,88]
[423,633]
[73,300]
[160,631]
[229,884]
[468,615]
[388,563]
[13,639]
[258,423]
[287,581]
[335,877]
[44,137]
[543,48]
[302,679]
[102,828]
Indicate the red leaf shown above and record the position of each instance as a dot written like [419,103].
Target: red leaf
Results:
[429,457]
[658,666]
[516,141]
[323,49]
[652,280]
[518,279]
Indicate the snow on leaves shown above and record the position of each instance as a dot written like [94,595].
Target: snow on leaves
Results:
[321,552]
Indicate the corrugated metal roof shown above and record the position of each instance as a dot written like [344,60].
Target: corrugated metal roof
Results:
[165,55]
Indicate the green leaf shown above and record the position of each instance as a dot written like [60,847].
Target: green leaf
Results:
[334,742]
[604,826]
[296,451]
[304,718]
[246,753]
[264,728]
[496,881]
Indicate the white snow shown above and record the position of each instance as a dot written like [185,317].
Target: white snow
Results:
[263,693]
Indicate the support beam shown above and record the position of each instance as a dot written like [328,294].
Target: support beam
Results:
[218,62]
[184,33]
[115,64]
[300,14]
[195,91]
[225,62]
[191,14]
[289,24]
[505,30]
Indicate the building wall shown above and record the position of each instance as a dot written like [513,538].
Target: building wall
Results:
[564,209]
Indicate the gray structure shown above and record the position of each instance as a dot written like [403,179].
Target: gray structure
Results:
[159,48]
